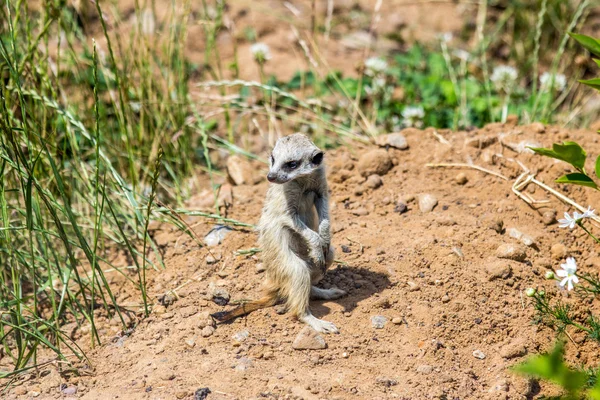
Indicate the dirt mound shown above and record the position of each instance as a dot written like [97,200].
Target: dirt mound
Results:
[436,303]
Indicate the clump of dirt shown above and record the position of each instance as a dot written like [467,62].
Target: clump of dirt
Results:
[435,305]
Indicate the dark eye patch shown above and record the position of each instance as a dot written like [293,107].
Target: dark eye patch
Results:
[272,160]
[291,165]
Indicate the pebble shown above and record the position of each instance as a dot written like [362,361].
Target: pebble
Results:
[549,217]
[498,269]
[361,212]
[401,207]
[397,321]
[378,321]
[445,298]
[207,331]
[537,127]
[558,251]
[309,339]
[210,260]
[374,162]
[219,295]
[69,390]
[260,267]
[395,140]
[216,235]
[427,202]
[374,181]
[190,343]
[520,236]
[499,386]
[243,364]
[479,354]
[240,337]
[511,252]
[181,394]
[497,225]
[513,350]
[201,393]
[204,320]
[425,369]
[387,382]
[461,178]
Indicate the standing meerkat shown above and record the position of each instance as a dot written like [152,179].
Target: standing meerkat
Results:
[294,233]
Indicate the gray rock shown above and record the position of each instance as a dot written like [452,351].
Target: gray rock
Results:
[260,267]
[395,140]
[216,235]
[520,236]
[427,202]
[511,252]
[378,321]
[385,381]
[69,390]
[401,207]
[241,336]
[207,331]
[244,363]
[425,369]
[309,339]
[479,354]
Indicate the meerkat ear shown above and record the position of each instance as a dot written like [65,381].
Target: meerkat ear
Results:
[317,158]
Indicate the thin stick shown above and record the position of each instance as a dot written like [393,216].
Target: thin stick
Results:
[459,165]
[441,138]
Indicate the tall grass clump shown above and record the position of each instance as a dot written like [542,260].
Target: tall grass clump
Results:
[90,133]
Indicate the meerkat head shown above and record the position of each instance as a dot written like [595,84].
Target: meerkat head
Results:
[294,156]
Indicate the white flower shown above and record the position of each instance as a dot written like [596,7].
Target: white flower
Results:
[445,37]
[568,273]
[413,116]
[462,54]
[568,221]
[589,213]
[560,81]
[260,52]
[504,77]
[375,66]
[530,292]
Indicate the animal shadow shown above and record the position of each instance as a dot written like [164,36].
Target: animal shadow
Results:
[359,284]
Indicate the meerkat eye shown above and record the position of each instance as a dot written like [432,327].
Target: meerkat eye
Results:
[291,165]
[272,160]
[317,159]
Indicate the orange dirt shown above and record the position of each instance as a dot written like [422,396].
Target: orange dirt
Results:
[434,275]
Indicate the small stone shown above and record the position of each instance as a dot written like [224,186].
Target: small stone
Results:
[499,386]
[219,295]
[479,354]
[207,331]
[190,343]
[549,217]
[374,181]
[346,249]
[216,235]
[309,339]
[397,321]
[204,320]
[497,225]
[69,390]
[412,286]
[427,202]
[400,208]
[445,298]
[425,369]
[240,337]
[558,251]
[537,127]
[461,178]
[395,140]
[520,236]
[260,267]
[211,260]
[513,350]
[345,355]
[378,321]
[202,393]
[181,394]
[387,382]
[374,162]
[498,269]
[361,212]
[244,363]
[511,252]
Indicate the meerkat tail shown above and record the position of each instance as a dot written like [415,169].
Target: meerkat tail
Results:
[245,308]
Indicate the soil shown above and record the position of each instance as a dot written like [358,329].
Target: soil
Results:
[456,314]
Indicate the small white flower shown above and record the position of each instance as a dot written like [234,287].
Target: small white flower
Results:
[375,66]
[413,116]
[568,273]
[504,77]
[568,221]
[260,52]
[445,37]
[530,292]
[589,213]
[560,81]
[462,54]
[549,275]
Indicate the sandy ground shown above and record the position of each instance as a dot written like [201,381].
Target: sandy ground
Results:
[435,276]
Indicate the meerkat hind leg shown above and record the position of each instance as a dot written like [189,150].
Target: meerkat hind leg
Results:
[326,294]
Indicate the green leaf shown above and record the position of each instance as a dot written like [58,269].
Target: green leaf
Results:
[591,44]
[595,83]
[598,167]
[570,152]
[577,178]
[597,61]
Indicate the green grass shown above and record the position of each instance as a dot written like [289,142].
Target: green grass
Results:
[98,138]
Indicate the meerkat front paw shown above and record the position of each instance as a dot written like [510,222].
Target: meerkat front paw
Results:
[326,294]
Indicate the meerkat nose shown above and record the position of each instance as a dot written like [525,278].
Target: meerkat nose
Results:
[271,177]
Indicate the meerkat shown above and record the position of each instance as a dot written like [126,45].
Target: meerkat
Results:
[294,233]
